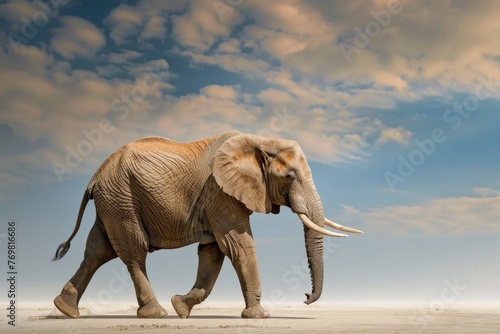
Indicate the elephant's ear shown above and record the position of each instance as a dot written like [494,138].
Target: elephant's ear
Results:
[237,168]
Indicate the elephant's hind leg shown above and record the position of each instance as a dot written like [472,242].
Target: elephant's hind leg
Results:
[97,252]
[148,304]
[210,259]
[131,245]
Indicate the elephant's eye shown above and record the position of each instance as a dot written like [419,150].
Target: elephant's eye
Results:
[270,155]
[291,175]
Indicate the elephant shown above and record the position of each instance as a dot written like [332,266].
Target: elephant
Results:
[155,193]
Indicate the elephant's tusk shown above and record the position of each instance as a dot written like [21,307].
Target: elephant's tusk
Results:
[307,222]
[341,227]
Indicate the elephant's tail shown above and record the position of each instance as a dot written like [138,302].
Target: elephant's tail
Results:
[64,247]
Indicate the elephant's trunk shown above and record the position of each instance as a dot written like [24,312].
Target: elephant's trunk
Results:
[314,249]
[314,244]
[307,205]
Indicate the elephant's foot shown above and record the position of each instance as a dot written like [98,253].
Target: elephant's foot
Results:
[255,311]
[181,308]
[184,304]
[151,309]
[67,301]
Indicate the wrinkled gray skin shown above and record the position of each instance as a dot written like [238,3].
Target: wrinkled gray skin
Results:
[155,193]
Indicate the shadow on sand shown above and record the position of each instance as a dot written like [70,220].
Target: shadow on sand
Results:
[170,316]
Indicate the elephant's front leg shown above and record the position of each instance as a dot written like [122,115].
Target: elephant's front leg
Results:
[240,248]
[210,259]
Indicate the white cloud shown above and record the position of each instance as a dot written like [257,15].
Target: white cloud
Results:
[108,71]
[145,20]
[486,192]
[158,68]
[455,215]
[275,97]
[295,17]
[399,135]
[405,60]
[220,92]
[201,26]
[230,46]
[13,11]
[125,21]
[123,57]
[155,27]
[51,104]
[331,148]
[77,38]
[232,62]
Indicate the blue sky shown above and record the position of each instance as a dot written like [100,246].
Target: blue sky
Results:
[394,103]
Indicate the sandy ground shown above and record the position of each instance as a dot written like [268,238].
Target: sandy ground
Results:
[295,318]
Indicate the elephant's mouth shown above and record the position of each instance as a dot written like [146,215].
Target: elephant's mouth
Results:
[282,200]
[276,204]
[287,200]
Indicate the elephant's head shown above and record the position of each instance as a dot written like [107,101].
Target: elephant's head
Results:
[265,174]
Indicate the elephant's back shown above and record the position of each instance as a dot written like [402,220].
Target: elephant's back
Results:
[154,156]
[162,146]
